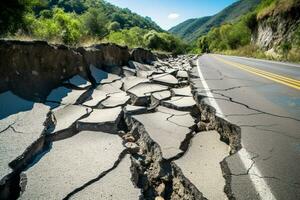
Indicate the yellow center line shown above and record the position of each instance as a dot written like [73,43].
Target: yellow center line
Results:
[271,76]
[279,77]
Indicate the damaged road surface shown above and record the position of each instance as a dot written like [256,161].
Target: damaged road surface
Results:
[263,99]
[134,131]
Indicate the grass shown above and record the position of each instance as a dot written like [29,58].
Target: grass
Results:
[253,51]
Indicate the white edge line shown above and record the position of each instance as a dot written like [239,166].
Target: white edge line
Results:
[261,187]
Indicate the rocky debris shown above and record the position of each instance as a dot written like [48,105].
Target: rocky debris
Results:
[201,165]
[185,91]
[128,137]
[140,94]
[180,103]
[165,79]
[105,120]
[64,116]
[70,164]
[132,147]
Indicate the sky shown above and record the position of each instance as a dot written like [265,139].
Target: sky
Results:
[168,13]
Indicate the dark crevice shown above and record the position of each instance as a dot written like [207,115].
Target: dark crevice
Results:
[229,133]
[99,177]
[8,127]
[230,99]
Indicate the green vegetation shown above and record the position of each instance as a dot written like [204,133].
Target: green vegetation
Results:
[192,29]
[235,38]
[75,22]
[274,7]
[228,36]
[68,21]
[151,39]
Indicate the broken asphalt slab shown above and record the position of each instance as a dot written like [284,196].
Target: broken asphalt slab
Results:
[70,164]
[105,120]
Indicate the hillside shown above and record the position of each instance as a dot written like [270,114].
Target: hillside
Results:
[83,23]
[270,31]
[123,16]
[192,29]
[16,14]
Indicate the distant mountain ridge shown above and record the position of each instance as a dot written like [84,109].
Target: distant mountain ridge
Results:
[191,29]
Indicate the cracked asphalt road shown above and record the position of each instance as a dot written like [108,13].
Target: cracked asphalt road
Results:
[268,113]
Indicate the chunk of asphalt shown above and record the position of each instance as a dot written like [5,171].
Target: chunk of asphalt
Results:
[71,163]
[201,164]
[144,74]
[140,94]
[171,71]
[115,185]
[19,131]
[102,77]
[162,95]
[180,103]
[133,110]
[65,116]
[105,120]
[132,81]
[109,88]
[117,84]
[96,97]
[166,79]
[140,66]
[165,133]
[182,74]
[180,118]
[78,81]
[128,71]
[115,99]
[64,96]
[185,91]
[145,89]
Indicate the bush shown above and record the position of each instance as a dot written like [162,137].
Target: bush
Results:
[114,26]
[128,37]
[64,27]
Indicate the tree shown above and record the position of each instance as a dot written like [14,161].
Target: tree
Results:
[95,22]
[12,14]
